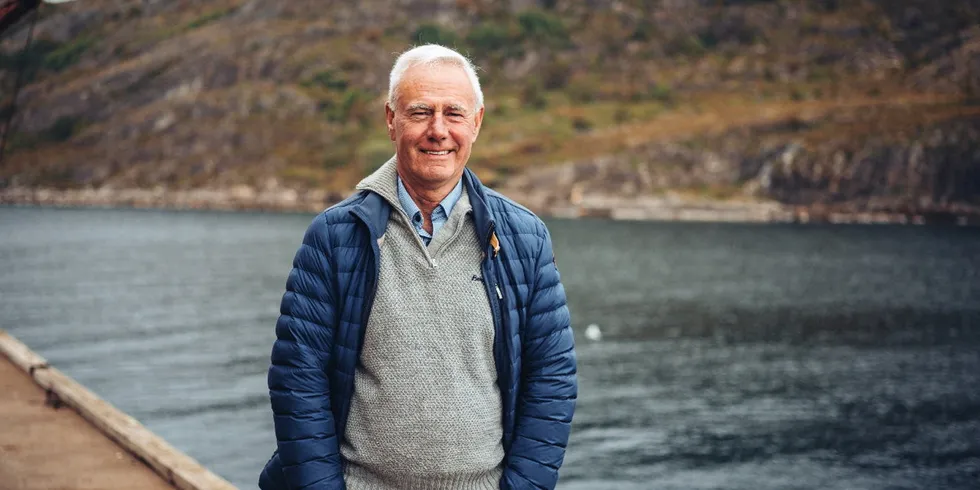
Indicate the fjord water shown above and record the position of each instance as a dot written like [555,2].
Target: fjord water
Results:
[732,357]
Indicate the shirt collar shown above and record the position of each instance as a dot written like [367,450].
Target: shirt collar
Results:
[447,204]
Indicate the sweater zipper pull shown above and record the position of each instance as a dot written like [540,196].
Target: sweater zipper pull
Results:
[499,294]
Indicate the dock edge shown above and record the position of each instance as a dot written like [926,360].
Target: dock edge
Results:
[173,466]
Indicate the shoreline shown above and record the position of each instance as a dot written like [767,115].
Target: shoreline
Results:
[618,209]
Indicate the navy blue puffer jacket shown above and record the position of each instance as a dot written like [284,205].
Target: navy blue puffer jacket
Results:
[321,329]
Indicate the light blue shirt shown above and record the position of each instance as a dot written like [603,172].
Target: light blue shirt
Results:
[439,215]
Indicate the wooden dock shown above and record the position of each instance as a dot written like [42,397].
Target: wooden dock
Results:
[56,434]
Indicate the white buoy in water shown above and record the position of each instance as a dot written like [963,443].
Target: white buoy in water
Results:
[593,333]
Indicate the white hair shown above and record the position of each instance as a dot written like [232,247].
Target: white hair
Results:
[431,54]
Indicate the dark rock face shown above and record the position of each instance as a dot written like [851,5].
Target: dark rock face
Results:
[823,164]
[935,168]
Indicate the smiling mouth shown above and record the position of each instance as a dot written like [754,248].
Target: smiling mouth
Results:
[433,152]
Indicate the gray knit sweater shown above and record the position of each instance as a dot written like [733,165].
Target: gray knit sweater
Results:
[426,408]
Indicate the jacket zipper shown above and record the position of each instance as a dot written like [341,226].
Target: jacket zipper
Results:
[494,303]
[495,295]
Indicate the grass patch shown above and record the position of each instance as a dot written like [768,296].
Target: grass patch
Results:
[662,93]
[47,55]
[198,22]
[582,89]
[207,18]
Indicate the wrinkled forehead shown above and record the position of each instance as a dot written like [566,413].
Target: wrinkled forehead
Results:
[436,85]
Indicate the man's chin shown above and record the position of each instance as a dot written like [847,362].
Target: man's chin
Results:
[435,167]
[438,175]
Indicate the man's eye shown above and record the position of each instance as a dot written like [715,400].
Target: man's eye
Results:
[418,113]
[455,114]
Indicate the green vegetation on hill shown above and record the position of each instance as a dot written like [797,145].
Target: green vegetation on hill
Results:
[261,93]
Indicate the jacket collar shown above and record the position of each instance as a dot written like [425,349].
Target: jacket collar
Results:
[482,218]
[374,209]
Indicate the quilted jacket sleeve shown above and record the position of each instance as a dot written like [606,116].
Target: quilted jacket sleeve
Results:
[298,383]
[548,385]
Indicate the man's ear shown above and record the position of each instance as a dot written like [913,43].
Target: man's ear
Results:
[390,119]
[478,120]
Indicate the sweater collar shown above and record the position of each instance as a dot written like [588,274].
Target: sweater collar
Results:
[445,207]
[383,184]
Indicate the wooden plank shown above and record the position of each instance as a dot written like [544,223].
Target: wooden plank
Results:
[175,467]
[19,354]
[45,447]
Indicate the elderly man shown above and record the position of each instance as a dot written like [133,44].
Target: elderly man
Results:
[424,340]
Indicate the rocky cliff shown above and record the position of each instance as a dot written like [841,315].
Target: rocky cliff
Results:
[644,108]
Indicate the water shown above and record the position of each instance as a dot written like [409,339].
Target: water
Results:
[733,356]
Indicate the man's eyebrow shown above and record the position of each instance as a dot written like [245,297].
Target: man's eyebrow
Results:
[418,106]
[457,108]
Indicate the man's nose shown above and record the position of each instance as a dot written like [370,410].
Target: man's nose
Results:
[438,130]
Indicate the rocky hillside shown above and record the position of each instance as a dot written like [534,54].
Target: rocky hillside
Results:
[644,105]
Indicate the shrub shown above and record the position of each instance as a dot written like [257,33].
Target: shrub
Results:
[686,46]
[542,26]
[581,124]
[62,129]
[661,92]
[351,107]
[67,54]
[708,39]
[644,31]
[29,61]
[434,34]
[46,54]
[327,79]
[489,38]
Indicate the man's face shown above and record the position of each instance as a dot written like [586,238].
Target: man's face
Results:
[434,123]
